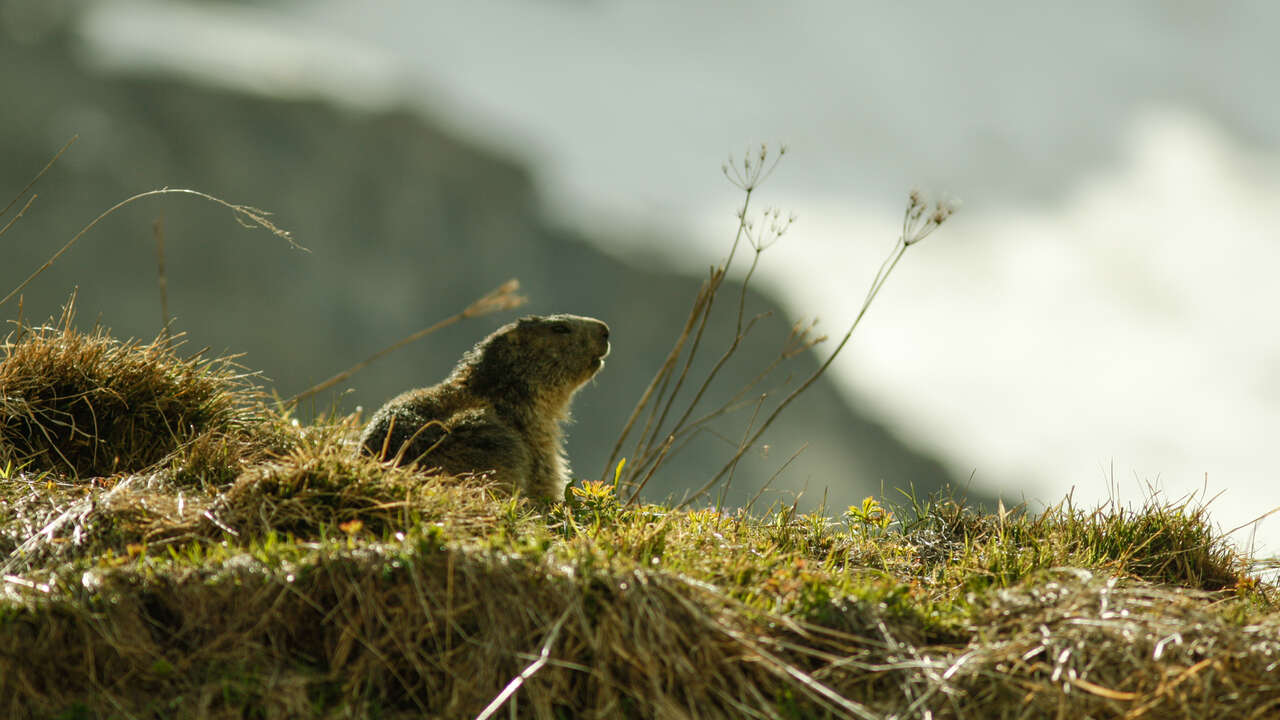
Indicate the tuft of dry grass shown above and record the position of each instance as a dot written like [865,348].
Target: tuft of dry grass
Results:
[314,486]
[89,405]
[1080,644]
[324,487]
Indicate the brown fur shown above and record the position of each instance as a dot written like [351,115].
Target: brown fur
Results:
[501,408]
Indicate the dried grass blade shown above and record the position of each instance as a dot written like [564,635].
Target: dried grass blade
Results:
[36,179]
[527,673]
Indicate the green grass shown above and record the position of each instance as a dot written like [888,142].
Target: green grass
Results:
[292,577]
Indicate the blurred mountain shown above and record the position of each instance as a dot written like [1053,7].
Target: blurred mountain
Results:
[406,224]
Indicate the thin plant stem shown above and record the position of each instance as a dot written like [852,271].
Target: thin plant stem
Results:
[717,281]
[644,446]
[635,494]
[724,489]
[157,229]
[655,421]
[18,217]
[36,179]
[667,364]
[777,473]
[899,249]
[503,297]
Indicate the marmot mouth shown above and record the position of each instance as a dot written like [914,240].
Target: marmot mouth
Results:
[597,362]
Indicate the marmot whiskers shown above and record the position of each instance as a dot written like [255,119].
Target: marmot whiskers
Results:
[501,408]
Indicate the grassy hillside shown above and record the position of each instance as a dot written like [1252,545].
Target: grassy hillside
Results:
[177,545]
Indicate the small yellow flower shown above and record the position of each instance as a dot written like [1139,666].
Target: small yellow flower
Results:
[594,490]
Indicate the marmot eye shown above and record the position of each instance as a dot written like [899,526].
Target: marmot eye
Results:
[560,328]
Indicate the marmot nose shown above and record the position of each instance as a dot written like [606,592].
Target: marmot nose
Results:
[604,331]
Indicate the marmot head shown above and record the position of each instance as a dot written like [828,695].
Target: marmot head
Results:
[540,360]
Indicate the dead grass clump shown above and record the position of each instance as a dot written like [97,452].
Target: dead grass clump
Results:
[324,487]
[47,519]
[46,522]
[1081,645]
[398,630]
[317,488]
[216,457]
[88,405]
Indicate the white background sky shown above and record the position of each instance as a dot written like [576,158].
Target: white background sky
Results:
[1104,300]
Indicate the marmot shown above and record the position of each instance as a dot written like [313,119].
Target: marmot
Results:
[501,408]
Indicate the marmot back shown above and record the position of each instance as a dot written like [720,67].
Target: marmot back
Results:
[501,408]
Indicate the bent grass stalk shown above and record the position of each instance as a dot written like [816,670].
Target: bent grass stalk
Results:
[246,215]
[503,297]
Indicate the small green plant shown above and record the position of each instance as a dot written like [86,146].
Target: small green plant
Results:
[596,498]
[870,515]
